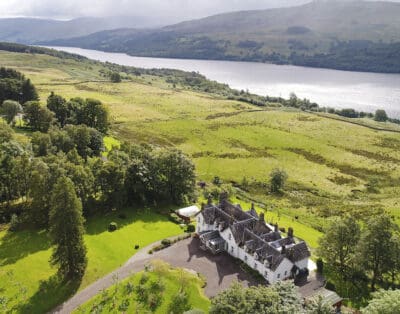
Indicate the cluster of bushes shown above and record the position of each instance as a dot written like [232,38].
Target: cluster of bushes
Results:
[167,243]
[176,219]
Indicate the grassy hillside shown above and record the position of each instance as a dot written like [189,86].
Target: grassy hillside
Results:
[33,30]
[334,165]
[349,35]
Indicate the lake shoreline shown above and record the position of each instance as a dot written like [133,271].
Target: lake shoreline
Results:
[363,91]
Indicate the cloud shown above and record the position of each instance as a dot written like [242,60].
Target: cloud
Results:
[173,8]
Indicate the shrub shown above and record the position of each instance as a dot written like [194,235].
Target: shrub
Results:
[330,286]
[122,216]
[136,246]
[320,265]
[14,222]
[112,226]
[166,242]
[190,228]
[175,219]
[115,77]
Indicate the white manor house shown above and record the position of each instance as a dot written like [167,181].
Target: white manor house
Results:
[246,236]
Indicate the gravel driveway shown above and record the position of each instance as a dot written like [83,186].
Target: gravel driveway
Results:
[219,270]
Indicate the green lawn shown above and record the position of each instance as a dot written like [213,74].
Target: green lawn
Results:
[24,257]
[173,279]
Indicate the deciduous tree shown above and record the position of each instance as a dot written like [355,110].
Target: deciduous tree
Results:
[339,243]
[10,109]
[278,179]
[375,249]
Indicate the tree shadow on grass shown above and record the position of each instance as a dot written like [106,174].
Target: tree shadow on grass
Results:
[17,245]
[51,292]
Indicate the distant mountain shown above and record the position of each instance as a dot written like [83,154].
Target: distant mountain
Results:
[32,30]
[346,35]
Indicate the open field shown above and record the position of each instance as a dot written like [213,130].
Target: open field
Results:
[24,257]
[334,166]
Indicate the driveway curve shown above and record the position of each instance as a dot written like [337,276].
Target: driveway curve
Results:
[220,271]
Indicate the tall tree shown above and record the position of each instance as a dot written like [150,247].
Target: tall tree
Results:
[95,115]
[179,174]
[338,244]
[381,115]
[278,179]
[28,91]
[10,109]
[39,187]
[37,117]
[58,105]
[375,248]
[66,230]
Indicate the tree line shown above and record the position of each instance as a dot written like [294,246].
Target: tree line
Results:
[283,297]
[362,254]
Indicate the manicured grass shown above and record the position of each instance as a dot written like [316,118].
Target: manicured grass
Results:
[172,278]
[24,257]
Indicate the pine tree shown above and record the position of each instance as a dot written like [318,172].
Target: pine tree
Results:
[66,230]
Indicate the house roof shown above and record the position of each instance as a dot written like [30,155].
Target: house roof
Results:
[250,230]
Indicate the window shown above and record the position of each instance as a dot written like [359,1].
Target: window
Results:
[285,272]
[245,258]
[279,276]
[255,265]
[266,273]
[232,249]
[230,237]
[198,219]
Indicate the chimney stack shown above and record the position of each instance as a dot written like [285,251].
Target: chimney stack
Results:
[261,218]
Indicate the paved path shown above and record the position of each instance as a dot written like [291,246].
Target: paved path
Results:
[219,270]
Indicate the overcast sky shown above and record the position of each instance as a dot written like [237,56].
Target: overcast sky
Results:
[177,8]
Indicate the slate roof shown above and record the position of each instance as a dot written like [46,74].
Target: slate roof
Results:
[250,231]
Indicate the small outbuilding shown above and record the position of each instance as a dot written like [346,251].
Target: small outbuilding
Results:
[187,213]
